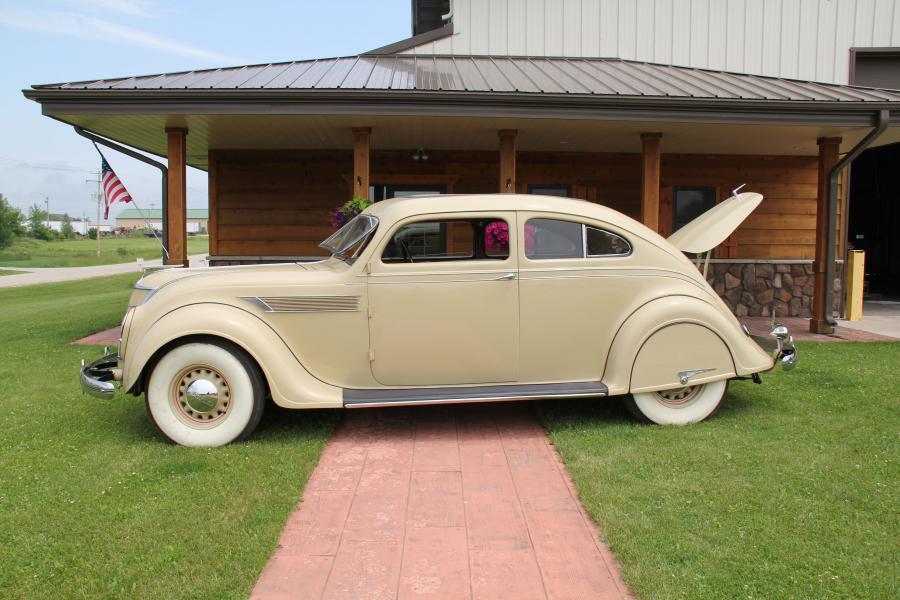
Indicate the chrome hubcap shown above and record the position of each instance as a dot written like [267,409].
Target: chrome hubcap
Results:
[679,397]
[201,397]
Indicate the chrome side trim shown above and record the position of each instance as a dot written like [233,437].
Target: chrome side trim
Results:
[305,303]
[356,398]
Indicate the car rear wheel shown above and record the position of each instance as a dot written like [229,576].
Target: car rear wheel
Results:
[678,406]
[205,394]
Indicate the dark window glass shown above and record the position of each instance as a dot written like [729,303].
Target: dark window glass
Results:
[605,243]
[438,241]
[550,238]
[563,191]
[690,203]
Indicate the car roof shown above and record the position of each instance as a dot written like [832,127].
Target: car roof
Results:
[396,209]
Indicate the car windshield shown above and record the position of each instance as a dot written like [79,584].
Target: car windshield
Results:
[348,240]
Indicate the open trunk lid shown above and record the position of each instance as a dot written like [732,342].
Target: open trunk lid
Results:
[712,227]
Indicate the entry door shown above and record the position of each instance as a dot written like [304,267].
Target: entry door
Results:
[444,301]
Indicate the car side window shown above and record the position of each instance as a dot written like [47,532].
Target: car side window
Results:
[550,238]
[605,243]
[556,239]
[448,240]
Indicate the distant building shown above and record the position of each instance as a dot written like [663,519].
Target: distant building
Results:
[133,218]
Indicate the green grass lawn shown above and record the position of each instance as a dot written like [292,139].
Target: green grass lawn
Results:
[93,503]
[789,491]
[27,252]
[10,272]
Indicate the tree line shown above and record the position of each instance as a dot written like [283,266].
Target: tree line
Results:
[35,225]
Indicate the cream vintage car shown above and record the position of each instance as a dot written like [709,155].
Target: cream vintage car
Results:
[443,299]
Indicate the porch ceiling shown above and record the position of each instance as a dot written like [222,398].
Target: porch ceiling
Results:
[210,132]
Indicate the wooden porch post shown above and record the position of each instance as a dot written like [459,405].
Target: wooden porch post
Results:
[650,179]
[361,161]
[176,203]
[828,157]
[507,160]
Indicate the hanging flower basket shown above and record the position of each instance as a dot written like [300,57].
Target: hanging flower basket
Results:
[349,209]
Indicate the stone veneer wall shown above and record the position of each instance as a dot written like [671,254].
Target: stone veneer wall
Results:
[759,288]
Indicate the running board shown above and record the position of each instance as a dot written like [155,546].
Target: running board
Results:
[451,395]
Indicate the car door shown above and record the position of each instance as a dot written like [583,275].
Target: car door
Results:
[444,304]
[578,280]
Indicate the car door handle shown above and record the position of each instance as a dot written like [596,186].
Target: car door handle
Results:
[507,277]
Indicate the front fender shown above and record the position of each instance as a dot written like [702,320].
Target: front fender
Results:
[290,383]
[709,325]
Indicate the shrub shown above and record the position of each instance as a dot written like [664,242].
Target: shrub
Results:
[10,222]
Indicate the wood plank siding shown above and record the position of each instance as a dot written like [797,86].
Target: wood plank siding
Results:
[277,203]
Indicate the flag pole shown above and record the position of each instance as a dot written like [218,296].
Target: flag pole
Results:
[150,227]
[99,191]
[99,182]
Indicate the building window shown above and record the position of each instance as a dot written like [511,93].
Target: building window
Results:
[689,203]
[380,191]
[875,67]
[564,191]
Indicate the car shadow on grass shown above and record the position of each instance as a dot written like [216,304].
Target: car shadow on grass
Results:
[611,412]
[278,425]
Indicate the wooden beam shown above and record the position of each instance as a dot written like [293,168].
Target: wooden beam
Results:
[176,203]
[212,223]
[650,143]
[361,161]
[507,160]
[828,157]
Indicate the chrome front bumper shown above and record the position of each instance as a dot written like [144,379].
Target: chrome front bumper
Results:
[781,344]
[98,378]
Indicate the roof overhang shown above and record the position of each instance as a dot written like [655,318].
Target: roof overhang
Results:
[56,102]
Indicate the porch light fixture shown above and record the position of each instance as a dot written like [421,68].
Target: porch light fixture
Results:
[420,154]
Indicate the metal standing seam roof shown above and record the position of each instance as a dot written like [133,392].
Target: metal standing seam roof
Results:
[495,75]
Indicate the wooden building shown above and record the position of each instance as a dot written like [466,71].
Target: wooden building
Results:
[286,143]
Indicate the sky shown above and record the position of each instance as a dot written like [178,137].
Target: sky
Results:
[74,40]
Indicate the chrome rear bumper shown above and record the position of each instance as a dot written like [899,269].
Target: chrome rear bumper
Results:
[781,344]
[98,378]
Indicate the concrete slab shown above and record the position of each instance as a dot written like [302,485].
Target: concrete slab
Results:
[881,317]
[468,501]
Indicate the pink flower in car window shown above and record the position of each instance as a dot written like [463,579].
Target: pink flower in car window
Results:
[496,237]
[529,239]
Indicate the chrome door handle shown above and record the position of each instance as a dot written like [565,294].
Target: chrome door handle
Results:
[507,277]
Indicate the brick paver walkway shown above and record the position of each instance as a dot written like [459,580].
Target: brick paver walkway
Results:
[467,501]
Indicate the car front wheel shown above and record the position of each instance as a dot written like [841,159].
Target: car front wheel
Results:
[205,394]
[678,406]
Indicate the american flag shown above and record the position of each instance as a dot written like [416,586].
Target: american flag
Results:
[113,189]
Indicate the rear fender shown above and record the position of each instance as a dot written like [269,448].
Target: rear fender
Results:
[290,383]
[678,333]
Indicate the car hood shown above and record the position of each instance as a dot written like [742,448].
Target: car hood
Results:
[712,227]
[322,270]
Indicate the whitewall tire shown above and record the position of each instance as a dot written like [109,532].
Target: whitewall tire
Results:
[205,394]
[679,406]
